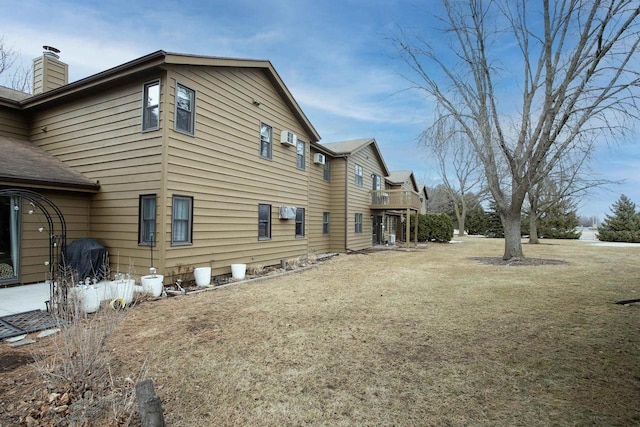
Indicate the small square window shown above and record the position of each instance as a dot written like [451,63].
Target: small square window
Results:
[185,109]
[266,134]
[151,106]
[264,222]
[182,221]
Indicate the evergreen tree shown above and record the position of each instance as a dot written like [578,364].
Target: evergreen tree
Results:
[560,222]
[623,225]
[494,223]
[477,221]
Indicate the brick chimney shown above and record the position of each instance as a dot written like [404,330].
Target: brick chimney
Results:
[48,71]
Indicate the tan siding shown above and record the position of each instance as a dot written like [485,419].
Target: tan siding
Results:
[100,136]
[319,202]
[338,204]
[13,124]
[359,198]
[35,244]
[221,169]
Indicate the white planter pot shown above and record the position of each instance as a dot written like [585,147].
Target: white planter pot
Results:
[238,271]
[123,289]
[202,276]
[88,298]
[152,284]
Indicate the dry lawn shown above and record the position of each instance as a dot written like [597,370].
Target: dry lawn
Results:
[427,337]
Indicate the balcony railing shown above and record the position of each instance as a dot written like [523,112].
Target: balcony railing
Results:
[394,199]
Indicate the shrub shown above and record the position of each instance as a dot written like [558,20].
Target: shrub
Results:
[433,227]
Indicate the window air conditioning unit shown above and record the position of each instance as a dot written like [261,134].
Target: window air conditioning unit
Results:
[288,138]
[287,212]
[319,158]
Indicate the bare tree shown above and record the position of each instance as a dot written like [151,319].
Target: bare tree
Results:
[458,166]
[16,76]
[572,72]
[570,180]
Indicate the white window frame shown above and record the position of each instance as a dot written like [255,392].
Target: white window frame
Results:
[266,141]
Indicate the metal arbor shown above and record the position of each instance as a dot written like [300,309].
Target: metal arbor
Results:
[57,229]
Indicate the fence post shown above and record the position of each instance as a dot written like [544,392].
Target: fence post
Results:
[149,405]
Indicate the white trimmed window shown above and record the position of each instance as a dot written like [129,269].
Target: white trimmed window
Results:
[266,134]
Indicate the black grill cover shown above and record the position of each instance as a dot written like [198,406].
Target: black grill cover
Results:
[87,257]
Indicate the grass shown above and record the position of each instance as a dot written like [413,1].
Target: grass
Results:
[427,337]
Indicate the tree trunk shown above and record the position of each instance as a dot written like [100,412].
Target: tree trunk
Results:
[461,226]
[533,230]
[512,238]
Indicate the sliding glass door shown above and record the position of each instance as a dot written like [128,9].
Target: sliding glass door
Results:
[9,239]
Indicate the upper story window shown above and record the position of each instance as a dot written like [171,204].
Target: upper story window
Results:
[377,182]
[185,109]
[299,222]
[301,154]
[151,106]
[359,175]
[264,222]
[182,221]
[326,172]
[266,138]
[147,220]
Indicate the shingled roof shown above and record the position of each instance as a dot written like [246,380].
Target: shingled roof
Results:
[24,163]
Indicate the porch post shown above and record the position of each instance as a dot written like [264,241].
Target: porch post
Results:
[415,230]
[407,232]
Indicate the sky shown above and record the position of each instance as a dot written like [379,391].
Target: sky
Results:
[335,56]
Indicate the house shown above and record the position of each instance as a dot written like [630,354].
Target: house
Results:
[175,160]
[374,207]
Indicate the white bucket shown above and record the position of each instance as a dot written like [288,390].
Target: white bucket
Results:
[152,284]
[88,298]
[202,276]
[238,270]
[123,289]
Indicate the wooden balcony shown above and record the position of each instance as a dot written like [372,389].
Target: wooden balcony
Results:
[395,199]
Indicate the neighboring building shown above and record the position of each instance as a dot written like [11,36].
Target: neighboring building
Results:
[374,206]
[175,160]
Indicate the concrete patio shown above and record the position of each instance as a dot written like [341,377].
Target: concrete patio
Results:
[19,299]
